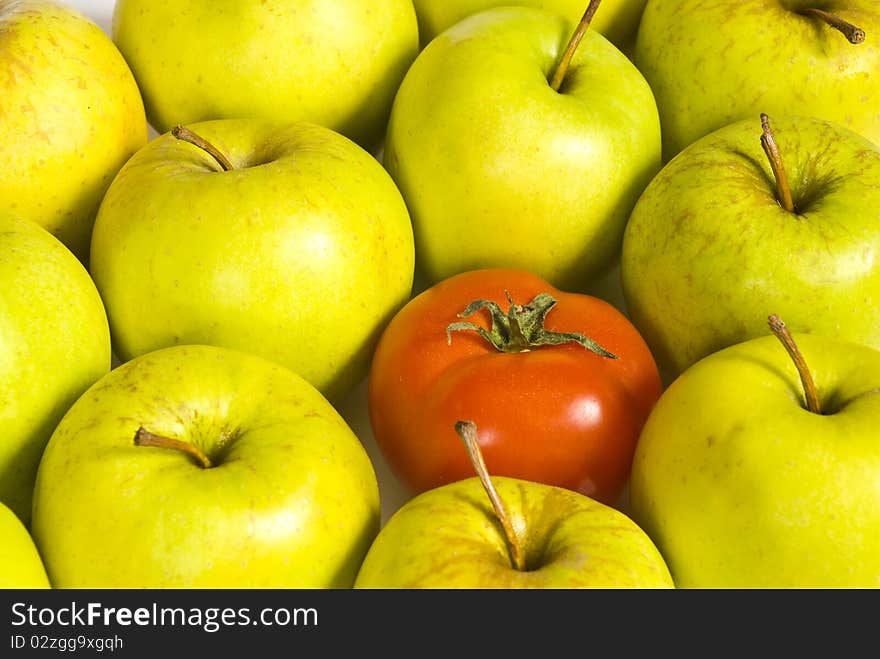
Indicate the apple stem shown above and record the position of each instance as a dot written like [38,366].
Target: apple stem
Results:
[185,134]
[853,34]
[783,189]
[810,393]
[574,42]
[144,437]
[467,430]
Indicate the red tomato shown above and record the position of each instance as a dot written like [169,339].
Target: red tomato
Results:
[557,414]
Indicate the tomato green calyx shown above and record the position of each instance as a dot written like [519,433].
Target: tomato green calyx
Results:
[522,327]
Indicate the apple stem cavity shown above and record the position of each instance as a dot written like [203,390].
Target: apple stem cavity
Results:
[853,34]
[144,437]
[522,327]
[574,42]
[783,189]
[810,393]
[185,134]
[467,430]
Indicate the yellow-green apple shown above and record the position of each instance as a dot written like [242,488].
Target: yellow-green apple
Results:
[512,153]
[524,534]
[290,241]
[70,118]
[197,466]
[54,343]
[760,466]
[337,63]
[731,226]
[618,20]
[20,562]
[713,63]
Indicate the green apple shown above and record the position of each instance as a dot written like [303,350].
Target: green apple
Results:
[713,63]
[299,252]
[71,116]
[54,344]
[20,562]
[618,20]
[743,485]
[711,245]
[499,169]
[337,63]
[197,466]
[524,534]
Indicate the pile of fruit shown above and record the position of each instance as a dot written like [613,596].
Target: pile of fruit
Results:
[606,274]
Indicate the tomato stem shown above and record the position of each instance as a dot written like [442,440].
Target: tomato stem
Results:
[522,327]
[467,430]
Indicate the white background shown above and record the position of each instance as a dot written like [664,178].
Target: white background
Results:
[100,11]
[391,491]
